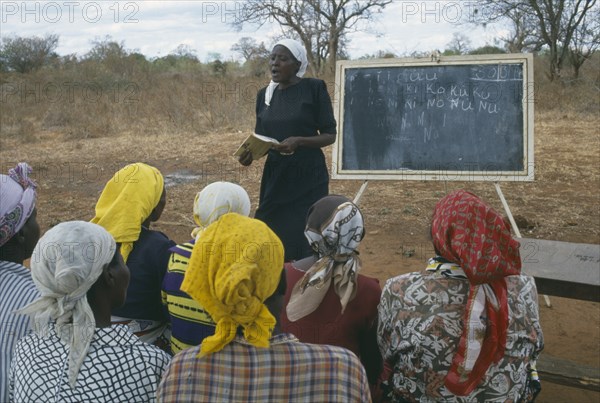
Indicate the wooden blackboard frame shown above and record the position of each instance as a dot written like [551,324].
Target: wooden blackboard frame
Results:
[525,174]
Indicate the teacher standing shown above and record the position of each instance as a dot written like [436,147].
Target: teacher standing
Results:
[297,112]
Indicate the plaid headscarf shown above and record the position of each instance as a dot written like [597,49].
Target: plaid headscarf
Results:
[471,234]
[17,200]
[235,266]
[127,201]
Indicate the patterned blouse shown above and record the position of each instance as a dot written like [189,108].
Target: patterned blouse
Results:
[420,324]
[118,368]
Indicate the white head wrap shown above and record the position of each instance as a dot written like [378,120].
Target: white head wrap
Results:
[299,53]
[336,243]
[17,200]
[65,264]
[217,199]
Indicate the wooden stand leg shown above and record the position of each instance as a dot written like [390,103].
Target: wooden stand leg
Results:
[362,189]
[514,227]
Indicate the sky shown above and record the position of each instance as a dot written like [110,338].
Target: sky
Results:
[157,28]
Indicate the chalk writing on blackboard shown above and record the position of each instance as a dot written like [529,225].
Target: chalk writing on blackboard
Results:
[466,116]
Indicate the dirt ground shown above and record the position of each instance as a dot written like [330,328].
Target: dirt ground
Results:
[561,204]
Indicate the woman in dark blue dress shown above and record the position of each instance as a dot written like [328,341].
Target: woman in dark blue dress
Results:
[297,112]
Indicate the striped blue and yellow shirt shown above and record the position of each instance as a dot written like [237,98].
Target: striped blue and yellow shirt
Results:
[190,323]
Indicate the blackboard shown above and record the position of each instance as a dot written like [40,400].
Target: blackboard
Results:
[452,118]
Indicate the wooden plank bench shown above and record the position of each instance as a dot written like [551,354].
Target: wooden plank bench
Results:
[563,269]
[564,372]
[568,270]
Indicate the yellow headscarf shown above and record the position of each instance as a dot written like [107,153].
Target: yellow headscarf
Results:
[127,201]
[235,266]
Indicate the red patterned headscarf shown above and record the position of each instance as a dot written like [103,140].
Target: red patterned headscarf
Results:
[473,235]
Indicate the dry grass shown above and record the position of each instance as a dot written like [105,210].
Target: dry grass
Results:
[90,100]
[81,107]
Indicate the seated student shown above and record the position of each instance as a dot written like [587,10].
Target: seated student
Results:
[190,323]
[132,199]
[467,328]
[236,273]
[19,232]
[74,354]
[327,301]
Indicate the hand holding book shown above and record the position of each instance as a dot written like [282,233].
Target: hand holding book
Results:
[258,146]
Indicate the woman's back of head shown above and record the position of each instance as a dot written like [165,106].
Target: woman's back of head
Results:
[319,212]
[66,263]
[334,226]
[235,266]
[217,199]
[468,232]
[334,230]
[18,213]
[134,196]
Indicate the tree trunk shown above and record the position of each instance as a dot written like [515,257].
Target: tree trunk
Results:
[554,63]
[576,68]
[333,50]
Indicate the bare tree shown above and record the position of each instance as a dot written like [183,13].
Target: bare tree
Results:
[105,49]
[249,48]
[557,22]
[113,56]
[380,54]
[25,54]
[586,40]
[459,45]
[185,52]
[320,25]
[525,36]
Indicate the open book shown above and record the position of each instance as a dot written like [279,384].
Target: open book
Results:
[258,145]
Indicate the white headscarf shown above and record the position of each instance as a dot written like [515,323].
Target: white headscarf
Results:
[65,264]
[17,200]
[217,199]
[336,242]
[299,53]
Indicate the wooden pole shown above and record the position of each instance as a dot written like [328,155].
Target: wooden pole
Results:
[514,226]
[360,192]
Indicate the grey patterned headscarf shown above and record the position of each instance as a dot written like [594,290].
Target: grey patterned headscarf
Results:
[335,238]
[66,262]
